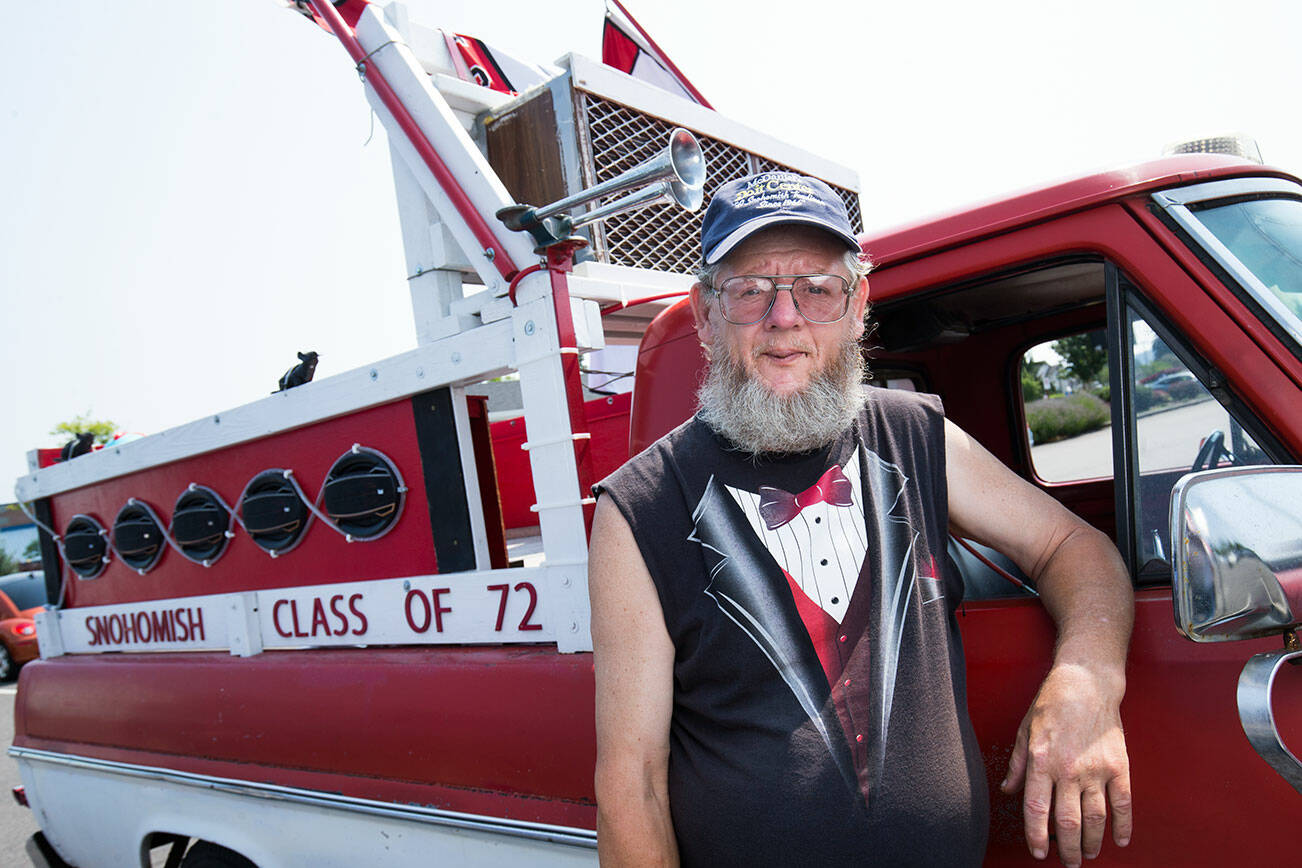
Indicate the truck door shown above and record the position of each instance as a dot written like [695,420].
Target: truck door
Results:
[1154,405]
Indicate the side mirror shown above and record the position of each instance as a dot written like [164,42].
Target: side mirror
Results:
[1237,540]
[1237,536]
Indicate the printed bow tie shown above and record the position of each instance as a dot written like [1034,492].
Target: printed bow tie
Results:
[778,507]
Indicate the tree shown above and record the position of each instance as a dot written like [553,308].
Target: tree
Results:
[33,551]
[1032,388]
[8,563]
[1085,355]
[103,429]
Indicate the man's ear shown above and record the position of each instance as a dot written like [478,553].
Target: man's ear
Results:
[701,299]
[859,306]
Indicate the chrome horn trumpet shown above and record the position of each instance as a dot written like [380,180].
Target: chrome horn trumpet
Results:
[675,175]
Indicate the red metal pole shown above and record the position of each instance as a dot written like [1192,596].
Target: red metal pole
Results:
[482,231]
[559,257]
[620,305]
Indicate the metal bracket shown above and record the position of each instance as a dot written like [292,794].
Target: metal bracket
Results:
[1255,685]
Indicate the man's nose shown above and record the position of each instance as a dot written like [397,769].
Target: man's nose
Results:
[784,314]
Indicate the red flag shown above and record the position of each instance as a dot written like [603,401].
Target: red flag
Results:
[629,48]
[481,66]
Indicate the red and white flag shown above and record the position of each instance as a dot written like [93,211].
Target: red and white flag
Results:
[478,62]
[629,48]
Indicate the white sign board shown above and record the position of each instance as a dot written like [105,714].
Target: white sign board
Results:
[186,624]
[489,607]
[498,606]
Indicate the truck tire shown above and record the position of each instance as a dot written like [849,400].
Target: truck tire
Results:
[205,854]
[7,668]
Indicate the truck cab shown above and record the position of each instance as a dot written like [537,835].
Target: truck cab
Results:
[1161,268]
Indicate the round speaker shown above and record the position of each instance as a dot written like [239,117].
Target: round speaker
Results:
[85,547]
[273,513]
[199,524]
[363,493]
[137,537]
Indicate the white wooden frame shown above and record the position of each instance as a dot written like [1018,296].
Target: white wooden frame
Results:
[461,341]
[604,81]
[519,605]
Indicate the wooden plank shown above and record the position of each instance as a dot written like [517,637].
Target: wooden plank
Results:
[522,149]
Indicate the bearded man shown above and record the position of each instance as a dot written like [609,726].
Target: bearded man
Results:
[779,674]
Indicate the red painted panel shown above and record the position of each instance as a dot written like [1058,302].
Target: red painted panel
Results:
[515,721]
[323,556]
[1193,770]
[608,419]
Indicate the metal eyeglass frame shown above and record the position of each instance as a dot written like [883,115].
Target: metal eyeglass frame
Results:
[791,288]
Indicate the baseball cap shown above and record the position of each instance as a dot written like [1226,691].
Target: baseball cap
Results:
[745,206]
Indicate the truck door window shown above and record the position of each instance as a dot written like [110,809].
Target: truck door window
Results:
[1065,399]
[1179,427]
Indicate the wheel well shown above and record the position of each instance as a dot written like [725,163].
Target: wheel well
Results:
[185,852]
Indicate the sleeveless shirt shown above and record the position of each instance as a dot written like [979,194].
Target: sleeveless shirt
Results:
[820,713]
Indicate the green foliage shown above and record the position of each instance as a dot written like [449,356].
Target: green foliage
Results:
[1185,391]
[1085,356]
[1053,419]
[1031,388]
[8,563]
[1104,393]
[103,429]
[33,551]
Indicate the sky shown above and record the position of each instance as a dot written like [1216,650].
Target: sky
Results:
[192,192]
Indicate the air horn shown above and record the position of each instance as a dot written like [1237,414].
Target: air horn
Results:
[676,175]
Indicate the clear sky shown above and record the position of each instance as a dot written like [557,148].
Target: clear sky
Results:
[190,192]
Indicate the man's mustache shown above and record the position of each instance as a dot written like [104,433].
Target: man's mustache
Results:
[782,346]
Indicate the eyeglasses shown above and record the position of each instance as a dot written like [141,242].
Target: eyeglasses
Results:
[748,298]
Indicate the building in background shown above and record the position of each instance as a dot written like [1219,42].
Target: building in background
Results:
[18,537]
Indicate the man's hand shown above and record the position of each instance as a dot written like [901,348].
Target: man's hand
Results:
[1070,755]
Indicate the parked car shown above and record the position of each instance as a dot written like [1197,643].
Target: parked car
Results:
[22,595]
[1166,381]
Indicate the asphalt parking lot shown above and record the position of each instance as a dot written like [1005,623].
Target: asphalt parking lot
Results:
[16,822]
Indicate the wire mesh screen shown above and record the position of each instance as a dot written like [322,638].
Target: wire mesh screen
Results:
[851,198]
[615,138]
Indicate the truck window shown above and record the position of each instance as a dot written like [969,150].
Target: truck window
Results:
[1065,400]
[1265,237]
[1179,427]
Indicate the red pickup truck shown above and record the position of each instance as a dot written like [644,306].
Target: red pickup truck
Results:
[295,634]
[1129,260]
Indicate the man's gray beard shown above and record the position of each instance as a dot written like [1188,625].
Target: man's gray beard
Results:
[742,409]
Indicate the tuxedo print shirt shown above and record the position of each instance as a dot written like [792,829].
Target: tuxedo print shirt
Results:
[820,715]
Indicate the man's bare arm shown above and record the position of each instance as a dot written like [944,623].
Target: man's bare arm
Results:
[1070,751]
[634,660]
